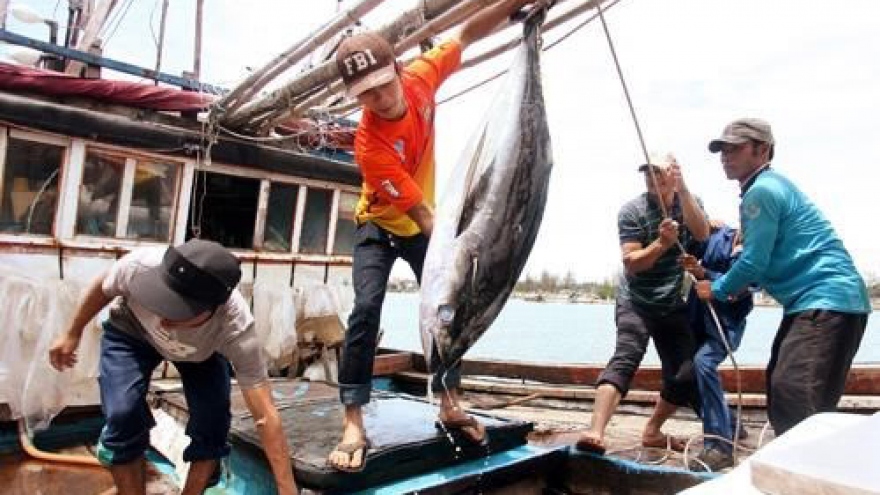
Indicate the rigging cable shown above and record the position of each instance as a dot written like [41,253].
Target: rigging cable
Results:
[651,173]
[122,12]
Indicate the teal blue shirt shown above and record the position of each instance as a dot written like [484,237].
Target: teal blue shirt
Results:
[791,250]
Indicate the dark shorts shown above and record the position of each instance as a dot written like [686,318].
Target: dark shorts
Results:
[811,356]
[125,369]
[672,339]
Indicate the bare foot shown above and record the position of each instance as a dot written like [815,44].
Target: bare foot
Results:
[663,441]
[454,418]
[591,442]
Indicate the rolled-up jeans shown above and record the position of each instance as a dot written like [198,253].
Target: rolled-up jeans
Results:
[375,251]
[126,366]
[717,419]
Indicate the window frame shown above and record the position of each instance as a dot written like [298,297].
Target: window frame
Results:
[9,132]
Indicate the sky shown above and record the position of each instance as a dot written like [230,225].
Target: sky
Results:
[691,66]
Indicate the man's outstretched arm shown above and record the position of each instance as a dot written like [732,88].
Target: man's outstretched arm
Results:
[486,20]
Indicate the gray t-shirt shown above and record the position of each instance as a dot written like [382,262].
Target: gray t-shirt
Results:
[230,331]
[657,290]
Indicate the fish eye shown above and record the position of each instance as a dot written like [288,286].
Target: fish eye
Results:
[445,313]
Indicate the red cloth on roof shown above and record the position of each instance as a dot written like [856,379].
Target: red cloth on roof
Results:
[140,95]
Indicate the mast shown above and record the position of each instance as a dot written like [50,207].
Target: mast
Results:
[96,20]
[161,42]
[197,55]
[4,6]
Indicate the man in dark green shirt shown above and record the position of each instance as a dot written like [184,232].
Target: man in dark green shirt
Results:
[649,300]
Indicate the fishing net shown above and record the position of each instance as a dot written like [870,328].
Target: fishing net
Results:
[36,312]
[275,321]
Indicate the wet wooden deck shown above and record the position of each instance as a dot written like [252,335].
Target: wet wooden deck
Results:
[20,475]
[401,428]
[404,438]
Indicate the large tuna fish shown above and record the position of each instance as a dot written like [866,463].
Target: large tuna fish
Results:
[490,213]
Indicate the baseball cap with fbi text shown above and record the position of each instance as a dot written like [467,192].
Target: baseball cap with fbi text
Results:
[192,278]
[365,60]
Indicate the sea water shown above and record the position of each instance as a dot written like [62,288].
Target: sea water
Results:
[553,332]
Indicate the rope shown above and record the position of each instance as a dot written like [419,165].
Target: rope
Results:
[629,101]
[664,209]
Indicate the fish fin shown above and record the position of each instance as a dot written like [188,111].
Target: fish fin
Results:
[475,263]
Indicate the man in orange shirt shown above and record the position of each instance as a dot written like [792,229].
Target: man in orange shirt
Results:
[394,148]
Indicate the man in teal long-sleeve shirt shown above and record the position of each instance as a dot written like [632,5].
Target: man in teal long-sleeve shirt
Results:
[792,251]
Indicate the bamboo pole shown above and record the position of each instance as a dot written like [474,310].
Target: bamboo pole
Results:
[262,76]
[348,106]
[453,17]
[439,24]
[550,24]
[327,72]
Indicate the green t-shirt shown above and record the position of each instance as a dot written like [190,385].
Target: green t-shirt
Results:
[657,290]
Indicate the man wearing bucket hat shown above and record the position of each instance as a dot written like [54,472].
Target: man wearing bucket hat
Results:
[394,149]
[650,303]
[178,304]
[792,251]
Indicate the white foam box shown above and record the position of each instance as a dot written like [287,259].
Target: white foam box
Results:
[826,454]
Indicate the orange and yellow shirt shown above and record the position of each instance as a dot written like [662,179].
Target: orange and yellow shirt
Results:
[396,158]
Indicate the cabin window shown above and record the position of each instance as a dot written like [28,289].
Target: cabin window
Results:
[152,201]
[343,243]
[316,221]
[224,209]
[29,196]
[99,194]
[280,217]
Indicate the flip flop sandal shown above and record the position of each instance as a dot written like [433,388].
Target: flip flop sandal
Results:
[350,449]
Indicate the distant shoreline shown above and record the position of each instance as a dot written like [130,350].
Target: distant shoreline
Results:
[558,297]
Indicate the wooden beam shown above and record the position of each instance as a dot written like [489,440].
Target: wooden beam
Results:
[544,392]
[862,380]
[390,364]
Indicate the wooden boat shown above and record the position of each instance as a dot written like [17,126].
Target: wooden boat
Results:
[172,176]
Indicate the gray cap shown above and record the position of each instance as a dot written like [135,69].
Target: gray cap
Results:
[741,131]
